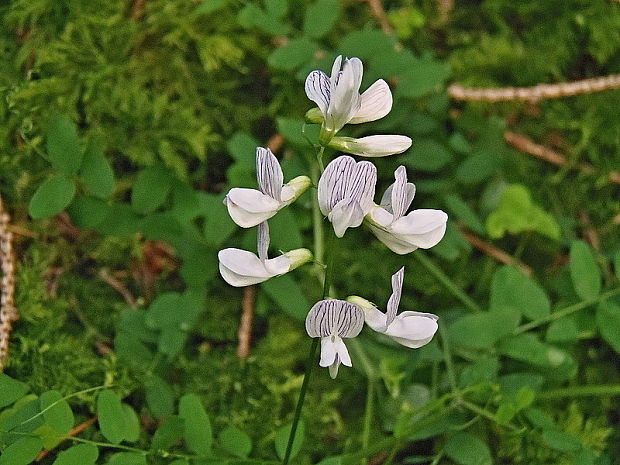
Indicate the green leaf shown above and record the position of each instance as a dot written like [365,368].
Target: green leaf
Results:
[427,75]
[88,212]
[539,418]
[151,189]
[293,54]
[242,147]
[457,206]
[467,449]
[218,225]
[52,197]
[63,146]
[505,412]
[483,370]
[482,330]
[366,44]
[617,264]
[557,363]
[82,454]
[584,271]
[22,451]
[168,434]
[198,433]
[127,458]
[96,172]
[478,167]
[282,436]
[514,292]
[132,424]
[121,220]
[608,322]
[236,441]
[112,420]
[559,440]
[10,390]
[517,213]
[427,155]
[204,8]
[159,397]
[321,17]
[562,330]
[285,291]
[131,350]
[59,416]
[284,231]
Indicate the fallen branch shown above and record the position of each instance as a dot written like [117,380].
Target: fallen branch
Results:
[535,93]
[527,145]
[8,312]
[494,252]
[74,432]
[245,327]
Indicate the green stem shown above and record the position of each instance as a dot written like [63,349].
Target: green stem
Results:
[311,358]
[317,221]
[485,413]
[319,158]
[565,311]
[447,356]
[69,396]
[368,414]
[300,401]
[581,391]
[447,282]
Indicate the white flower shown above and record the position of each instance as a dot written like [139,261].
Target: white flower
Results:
[411,329]
[338,96]
[346,189]
[242,268]
[332,320]
[249,207]
[372,146]
[402,233]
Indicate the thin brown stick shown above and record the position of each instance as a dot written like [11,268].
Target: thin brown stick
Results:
[245,327]
[589,233]
[8,312]
[527,145]
[119,287]
[137,9]
[74,432]
[376,8]
[494,252]
[535,93]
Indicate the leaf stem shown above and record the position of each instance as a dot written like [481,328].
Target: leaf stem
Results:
[581,391]
[447,282]
[566,311]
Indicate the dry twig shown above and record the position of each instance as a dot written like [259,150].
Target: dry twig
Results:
[376,7]
[119,287]
[245,327]
[494,252]
[137,9]
[527,145]
[74,432]
[535,93]
[8,312]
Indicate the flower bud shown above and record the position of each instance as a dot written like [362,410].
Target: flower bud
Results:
[298,257]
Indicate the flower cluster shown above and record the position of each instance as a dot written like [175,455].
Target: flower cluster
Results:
[346,191]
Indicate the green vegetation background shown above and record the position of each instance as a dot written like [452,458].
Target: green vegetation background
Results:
[162,104]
